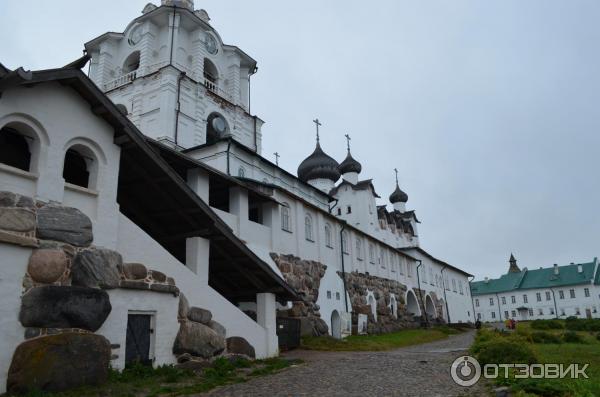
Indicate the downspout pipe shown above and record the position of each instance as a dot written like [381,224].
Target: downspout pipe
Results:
[445,297]
[228,151]
[343,267]
[178,106]
[335,205]
[420,293]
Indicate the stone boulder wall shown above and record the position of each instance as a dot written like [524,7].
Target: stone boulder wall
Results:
[239,345]
[305,277]
[97,268]
[59,362]
[47,266]
[199,315]
[64,307]
[65,224]
[358,284]
[198,340]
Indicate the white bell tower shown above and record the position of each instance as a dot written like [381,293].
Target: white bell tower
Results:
[177,80]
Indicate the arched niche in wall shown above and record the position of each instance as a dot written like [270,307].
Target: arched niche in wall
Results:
[412,305]
[430,307]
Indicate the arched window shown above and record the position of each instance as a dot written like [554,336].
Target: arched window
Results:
[14,149]
[382,258]
[401,266]
[371,253]
[286,222]
[241,172]
[359,254]
[132,62]
[328,239]
[211,75]
[345,249]
[430,275]
[308,227]
[75,169]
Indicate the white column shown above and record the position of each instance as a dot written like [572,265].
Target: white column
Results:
[238,202]
[197,254]
[266,317]
[198,180]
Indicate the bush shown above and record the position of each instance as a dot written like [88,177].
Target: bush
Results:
[542,387]
[572,337]
[505,351]
[598,336]
[545,337]
[577,324]
[546,324]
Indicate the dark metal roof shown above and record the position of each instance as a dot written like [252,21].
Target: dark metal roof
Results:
[262,159]
[427,254]
[318,165]
[398,196]
[155,197]
[350,165]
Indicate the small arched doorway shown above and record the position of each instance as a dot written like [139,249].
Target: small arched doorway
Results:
[411,304]
[430,307]
[336,325]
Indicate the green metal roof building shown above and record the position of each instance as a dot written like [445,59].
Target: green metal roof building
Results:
[550,292]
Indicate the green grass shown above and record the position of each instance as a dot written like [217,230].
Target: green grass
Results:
[378,342]
[586,352]
[167,380]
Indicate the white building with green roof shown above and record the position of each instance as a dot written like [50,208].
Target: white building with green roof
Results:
[544,293]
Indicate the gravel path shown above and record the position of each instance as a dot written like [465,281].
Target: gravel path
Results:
[422,370]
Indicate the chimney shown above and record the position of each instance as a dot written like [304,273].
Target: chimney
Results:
[580,268]
[486,280]
[556,269]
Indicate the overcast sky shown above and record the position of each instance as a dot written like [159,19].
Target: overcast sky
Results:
[489,109]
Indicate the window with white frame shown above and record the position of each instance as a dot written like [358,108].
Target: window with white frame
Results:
[513,299]
[454,285]
[538,296]
[328,238]
[586,292]
[371,253]
[460,287]
[286,221]
[382,258]
[525,298]
[491,301]
[308,227]
[359,253]
[476,302]
[561,294]
[548,297]
[345,248]
[572,293]
[504,300]
[401,266]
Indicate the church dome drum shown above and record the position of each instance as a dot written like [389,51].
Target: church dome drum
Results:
[318,166]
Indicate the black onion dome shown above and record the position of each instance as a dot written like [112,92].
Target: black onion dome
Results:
[398,196]
[318,165]
[350,165]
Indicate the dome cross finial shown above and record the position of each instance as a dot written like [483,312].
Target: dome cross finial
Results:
[348,139]
[317,124]
[396,171]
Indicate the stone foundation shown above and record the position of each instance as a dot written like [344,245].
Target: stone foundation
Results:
[359,285]
[305,277]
